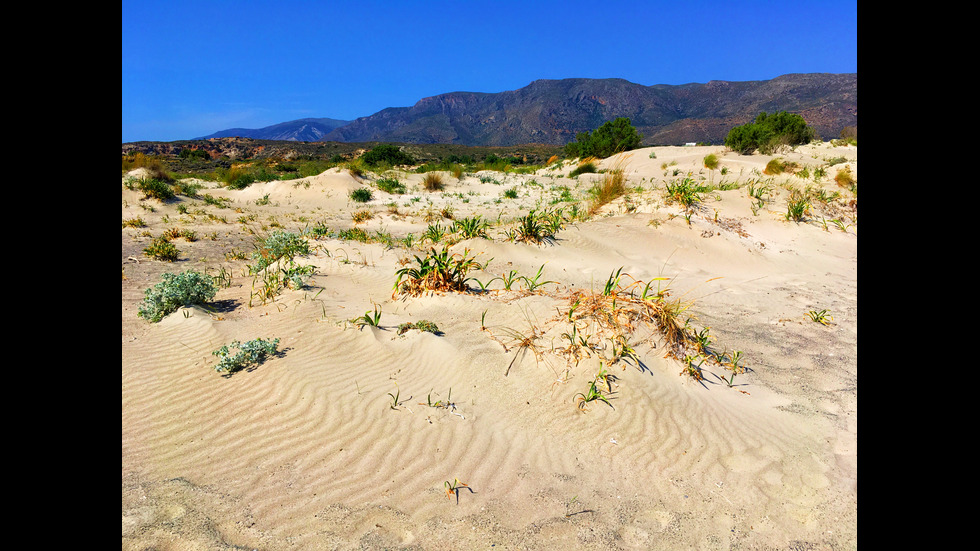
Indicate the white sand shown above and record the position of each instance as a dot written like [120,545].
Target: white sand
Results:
[304,452]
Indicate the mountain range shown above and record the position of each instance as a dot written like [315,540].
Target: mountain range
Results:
[300,130]
[554,111]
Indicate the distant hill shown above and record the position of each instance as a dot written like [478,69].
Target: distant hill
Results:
[301,130]
[554,111]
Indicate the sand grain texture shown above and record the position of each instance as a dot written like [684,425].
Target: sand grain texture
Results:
[305,452]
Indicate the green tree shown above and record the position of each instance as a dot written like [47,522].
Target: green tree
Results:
[612,137]
[769,132]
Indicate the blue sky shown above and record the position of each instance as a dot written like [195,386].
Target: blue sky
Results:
[191,68]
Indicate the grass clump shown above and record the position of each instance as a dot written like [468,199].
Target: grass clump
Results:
[432,181]
[844,177]
[587,166]
[535,227]
[251,353]
[470,228]
[612,186]
[711,161]
[175,291]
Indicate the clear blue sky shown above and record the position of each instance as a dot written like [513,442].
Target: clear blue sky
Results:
[191,68]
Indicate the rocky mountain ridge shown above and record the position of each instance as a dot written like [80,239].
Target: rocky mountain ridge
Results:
[552,112]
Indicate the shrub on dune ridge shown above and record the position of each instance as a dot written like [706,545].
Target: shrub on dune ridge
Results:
[612,137]
[769,133]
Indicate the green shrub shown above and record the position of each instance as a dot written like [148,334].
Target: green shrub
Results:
[612,137]
[361,195]
[387,154]
[768,133]
[250,353]
[511,193]
[176,290]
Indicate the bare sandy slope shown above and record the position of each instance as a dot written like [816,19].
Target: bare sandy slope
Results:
[305,452]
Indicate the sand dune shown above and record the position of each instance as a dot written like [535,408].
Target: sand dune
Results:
[305,451]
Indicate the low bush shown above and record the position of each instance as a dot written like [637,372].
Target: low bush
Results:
[250,353]
[279,244]
[162,249]
[154,188]
[175,291]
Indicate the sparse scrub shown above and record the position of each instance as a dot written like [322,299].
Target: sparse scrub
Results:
[391,185]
